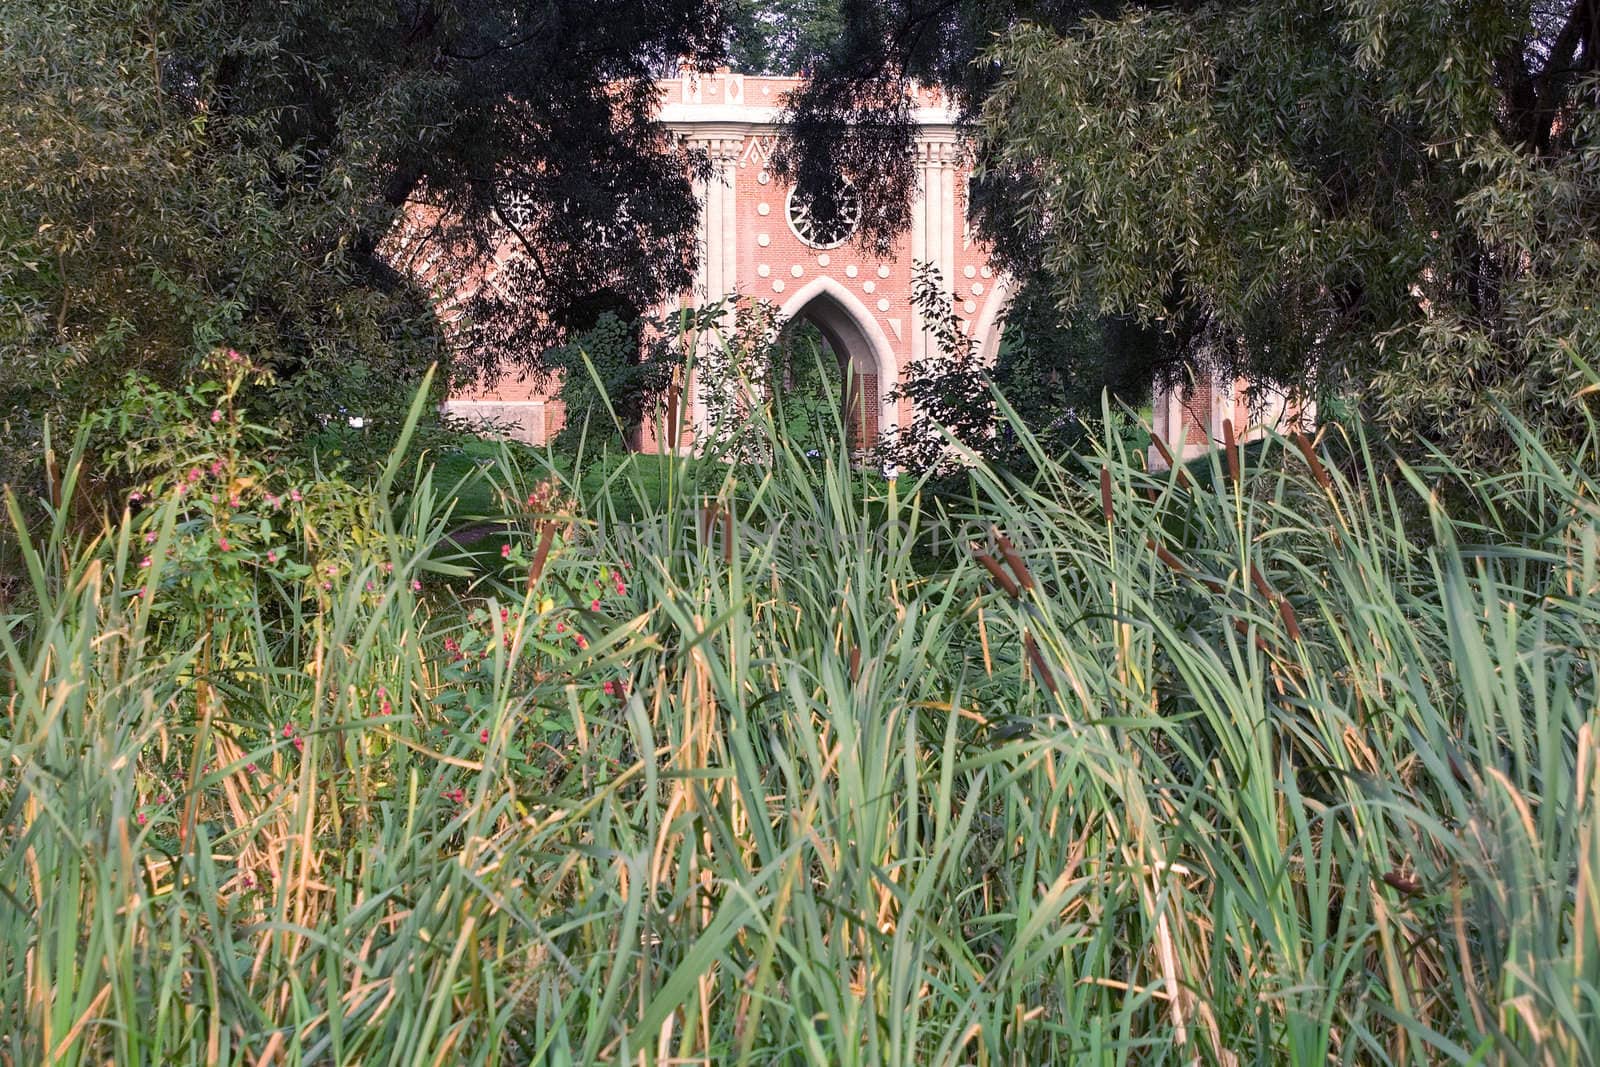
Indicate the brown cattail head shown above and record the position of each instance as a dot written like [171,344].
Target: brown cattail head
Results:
[855,663]
[1001,578]
[1161,446]
[1402,884]
[1166,454]
[1318,471]
[1244,631]
[1105,493]
[1260,582]
[1013,558]
[1291,621]
[1174,564]
[1230,448]
[727,538]
[547,533]
[1036,662]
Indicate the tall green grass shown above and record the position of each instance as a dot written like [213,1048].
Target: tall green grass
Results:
[1289,767]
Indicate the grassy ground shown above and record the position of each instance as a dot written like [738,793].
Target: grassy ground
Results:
[1284,766]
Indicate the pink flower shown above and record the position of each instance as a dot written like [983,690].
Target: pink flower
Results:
[388,568]
[610,689]
[369,587]
[250,768]
[273,502]
[505,551]
[327,585]
[416,585]
[272,555]
[594,605]
[621,589]
[142,819]
[299,744]
[288,729]
[194,474]
[456,795]
[233,501]
[330,570]
[294,494]
[216,415]
[234,356]
[222,543]
[216,467]
[135,496]
[143,563]
[150,538]
[386,708]
[561,627]
[583,642]
[483,736]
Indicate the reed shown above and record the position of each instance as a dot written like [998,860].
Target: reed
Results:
[1300,768]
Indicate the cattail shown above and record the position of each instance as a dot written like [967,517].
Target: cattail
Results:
[1001,577]
[1174,564]
[1105,493]
[1013,558]
[1303,443]
[1244,631]
[1166,454]
[855,663]
[1230,450]
[1409,887]
[1291,622]
[1036,661]
[1161,446]
[1261,585]
[727,538]
[547,534]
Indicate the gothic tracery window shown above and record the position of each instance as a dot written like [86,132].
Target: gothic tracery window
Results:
[825,225]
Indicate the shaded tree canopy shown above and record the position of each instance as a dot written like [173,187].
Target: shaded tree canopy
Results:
[781,37]
[179,174]
[1396,198]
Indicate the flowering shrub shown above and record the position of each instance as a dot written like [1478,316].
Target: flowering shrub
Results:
[545,658]
[250,511]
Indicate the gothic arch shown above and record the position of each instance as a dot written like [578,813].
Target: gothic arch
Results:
[988,327]
[852,332]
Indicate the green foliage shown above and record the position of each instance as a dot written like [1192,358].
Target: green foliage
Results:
[612,380]
[1052,371]
[781,37]
[142,225]
[175,177]
[1394,199]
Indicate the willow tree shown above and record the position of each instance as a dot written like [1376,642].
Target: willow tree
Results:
[1394,200]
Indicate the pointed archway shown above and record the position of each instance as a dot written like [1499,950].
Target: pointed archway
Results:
[866,359]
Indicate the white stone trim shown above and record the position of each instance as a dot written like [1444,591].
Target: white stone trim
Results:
[860,317]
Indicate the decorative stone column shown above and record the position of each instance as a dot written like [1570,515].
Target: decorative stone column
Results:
[933,221]
[716,272]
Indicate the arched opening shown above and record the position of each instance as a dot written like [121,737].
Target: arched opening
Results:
[825,327]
